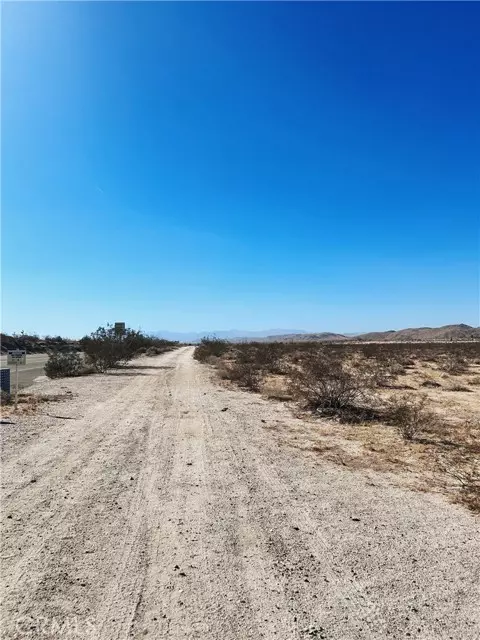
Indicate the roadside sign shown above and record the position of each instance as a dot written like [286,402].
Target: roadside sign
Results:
[119,328]
[17,356]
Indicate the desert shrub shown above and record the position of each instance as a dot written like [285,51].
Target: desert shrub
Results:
[466,471]
[475,381]
[103,348]
[382,372]
[246,375]
[454,364]
[409,414]
[295,357]
[210,347]
[327,385]
[396,368]
[264,355]
[223,368]
[62,364]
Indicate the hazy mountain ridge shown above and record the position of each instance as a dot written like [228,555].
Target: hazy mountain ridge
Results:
[325,336]
[230,334]
[453,332]
[424,334]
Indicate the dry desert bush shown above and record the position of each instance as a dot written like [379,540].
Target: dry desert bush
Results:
[465,471]
[410,415]
[246,374]
[327,385]
[454,364]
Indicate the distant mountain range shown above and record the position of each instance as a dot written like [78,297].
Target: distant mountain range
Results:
[231,334]
[449,332]
[325,336]
[425,334]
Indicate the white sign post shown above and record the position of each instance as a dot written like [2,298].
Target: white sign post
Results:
[16,357]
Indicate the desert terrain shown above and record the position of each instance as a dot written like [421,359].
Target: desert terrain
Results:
[159,501]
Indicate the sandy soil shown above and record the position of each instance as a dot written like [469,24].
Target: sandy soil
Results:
[157,504]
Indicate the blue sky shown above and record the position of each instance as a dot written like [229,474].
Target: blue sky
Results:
[251,165]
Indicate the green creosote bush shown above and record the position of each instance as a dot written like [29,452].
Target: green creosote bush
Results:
[63,364]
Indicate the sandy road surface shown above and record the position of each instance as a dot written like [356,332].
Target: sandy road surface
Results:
[155,513]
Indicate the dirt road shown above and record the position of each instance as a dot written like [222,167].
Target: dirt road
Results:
[158,505]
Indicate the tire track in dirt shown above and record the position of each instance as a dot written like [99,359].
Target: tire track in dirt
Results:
[117,617]
[75,474]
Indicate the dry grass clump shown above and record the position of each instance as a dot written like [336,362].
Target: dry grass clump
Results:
[458,387]
[30,403]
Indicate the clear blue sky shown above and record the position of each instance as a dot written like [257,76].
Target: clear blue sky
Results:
[251,165]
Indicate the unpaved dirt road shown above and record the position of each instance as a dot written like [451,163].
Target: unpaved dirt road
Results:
[167,507]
